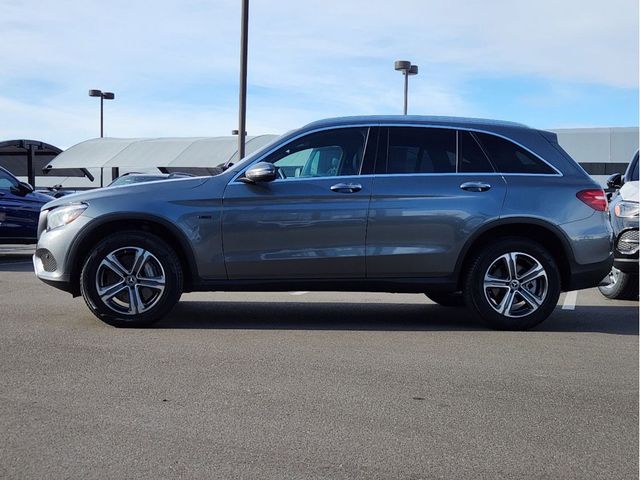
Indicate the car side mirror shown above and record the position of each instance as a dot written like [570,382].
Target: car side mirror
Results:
[260,173]
[22,189]
[615,181]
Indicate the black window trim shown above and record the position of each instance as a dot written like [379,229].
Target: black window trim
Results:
[385,126]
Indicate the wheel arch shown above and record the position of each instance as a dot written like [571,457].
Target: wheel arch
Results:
[548,235]
[107,224]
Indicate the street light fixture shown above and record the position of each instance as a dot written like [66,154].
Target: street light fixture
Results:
[407,69]
[104,96]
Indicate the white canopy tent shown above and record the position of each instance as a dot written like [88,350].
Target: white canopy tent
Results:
[166,154]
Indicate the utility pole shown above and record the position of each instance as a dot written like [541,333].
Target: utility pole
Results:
[244,37]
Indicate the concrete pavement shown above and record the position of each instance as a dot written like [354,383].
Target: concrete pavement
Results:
[313,385]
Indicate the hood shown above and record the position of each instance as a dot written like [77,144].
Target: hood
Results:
[154,188]
[629,191]
[41,197]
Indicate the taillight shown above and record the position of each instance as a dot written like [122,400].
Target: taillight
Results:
[595,198]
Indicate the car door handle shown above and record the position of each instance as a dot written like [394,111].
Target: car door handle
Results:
[475,186]
[346,187]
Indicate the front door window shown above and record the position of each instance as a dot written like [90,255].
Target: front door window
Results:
[331,153]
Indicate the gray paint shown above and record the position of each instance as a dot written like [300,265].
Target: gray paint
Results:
[412,226]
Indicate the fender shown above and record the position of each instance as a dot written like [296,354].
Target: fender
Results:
[521,220]
[70,264]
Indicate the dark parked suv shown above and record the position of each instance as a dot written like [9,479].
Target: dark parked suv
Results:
[492,213]
[19,210]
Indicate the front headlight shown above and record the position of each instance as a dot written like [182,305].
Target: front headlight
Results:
[64,215]
[626,209]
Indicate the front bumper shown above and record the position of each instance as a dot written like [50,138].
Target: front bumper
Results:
[626,251]
[51,258]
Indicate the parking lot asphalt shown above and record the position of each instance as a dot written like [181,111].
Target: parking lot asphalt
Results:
[313,385]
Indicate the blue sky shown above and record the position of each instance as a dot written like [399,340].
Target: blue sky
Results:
[174,67]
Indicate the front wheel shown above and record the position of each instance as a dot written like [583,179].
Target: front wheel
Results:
[513,284]
[621,286]
[131,279]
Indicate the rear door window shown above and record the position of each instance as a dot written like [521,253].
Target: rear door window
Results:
[421,150]
[510,158]
[471,157]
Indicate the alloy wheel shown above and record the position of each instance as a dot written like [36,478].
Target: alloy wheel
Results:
[130,280]
[515,284]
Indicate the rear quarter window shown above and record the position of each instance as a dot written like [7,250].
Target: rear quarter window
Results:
[511,158]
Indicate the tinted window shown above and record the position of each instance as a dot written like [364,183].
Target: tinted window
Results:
[509,157]
[472,159]
[324,154]
[7,181]
[421,150]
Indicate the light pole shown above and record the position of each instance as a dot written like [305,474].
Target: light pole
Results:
[242,110]
[407,69]
[104,96]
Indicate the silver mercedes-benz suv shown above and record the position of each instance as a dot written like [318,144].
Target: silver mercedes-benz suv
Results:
[493,215]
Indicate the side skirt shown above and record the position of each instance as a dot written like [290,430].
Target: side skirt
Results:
[391,285]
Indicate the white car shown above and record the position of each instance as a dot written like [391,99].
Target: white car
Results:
[623,210]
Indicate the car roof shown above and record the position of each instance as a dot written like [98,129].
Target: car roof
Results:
[461,122]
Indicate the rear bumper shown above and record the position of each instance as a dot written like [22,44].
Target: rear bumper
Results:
[589,275]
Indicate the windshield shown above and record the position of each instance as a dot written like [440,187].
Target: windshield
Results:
[129,179]
[633,173]
[7,180]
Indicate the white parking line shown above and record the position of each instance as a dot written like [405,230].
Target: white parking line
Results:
[570,300]
[297,293]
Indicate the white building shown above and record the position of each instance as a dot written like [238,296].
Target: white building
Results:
[600,151]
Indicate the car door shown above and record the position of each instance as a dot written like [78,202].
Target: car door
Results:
[432,189]
[18,213]
[310,223]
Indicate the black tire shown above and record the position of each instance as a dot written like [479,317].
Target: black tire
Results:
[162,259]
[548,293]
[622,286]
[454,299]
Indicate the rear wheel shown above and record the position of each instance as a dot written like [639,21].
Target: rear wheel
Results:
[513,284]
[621,286]
[131,279]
